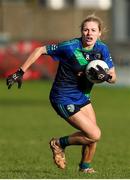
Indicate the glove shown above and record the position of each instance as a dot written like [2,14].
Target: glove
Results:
[16,77]
[100,74]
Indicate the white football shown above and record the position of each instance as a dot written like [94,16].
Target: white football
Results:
[94,64]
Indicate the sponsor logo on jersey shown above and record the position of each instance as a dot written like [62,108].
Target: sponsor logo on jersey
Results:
[87,57]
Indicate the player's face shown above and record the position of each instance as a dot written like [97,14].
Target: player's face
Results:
[90,34]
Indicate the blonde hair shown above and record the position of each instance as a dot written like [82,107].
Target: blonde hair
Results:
[93,18]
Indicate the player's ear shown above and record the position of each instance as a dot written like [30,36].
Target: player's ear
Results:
[100,34]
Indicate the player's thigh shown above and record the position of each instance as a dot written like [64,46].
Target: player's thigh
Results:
[89,112]
[82,122]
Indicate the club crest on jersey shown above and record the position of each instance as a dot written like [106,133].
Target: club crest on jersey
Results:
[98,56]
[70,108]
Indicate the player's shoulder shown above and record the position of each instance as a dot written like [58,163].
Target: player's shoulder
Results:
[71,42]
[101,45]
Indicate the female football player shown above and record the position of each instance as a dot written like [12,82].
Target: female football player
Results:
[70,92]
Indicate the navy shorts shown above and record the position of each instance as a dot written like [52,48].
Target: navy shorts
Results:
[65,111]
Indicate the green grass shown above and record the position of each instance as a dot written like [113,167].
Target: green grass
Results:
[27,123]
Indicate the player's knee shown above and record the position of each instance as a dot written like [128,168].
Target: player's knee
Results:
[96,135]
[93,137]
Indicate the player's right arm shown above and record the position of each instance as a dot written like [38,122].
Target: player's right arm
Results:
[18,75]
[33,57]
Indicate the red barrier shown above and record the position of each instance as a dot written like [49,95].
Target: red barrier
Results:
[13,55]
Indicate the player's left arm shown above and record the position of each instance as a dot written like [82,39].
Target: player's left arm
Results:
[108,59]
[112,73]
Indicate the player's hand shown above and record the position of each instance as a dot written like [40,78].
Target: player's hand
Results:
[100,74]
[15,78]
[103,75]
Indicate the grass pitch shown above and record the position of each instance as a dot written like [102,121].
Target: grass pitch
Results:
[27,123]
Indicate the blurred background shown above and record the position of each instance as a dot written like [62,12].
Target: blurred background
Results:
[26,24]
